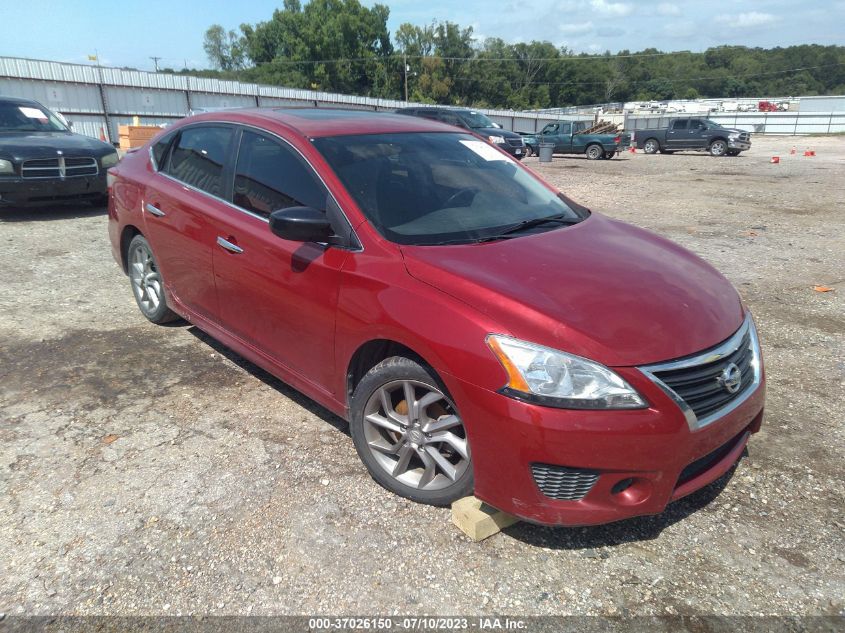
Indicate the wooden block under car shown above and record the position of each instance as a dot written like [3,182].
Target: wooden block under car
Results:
[478,520]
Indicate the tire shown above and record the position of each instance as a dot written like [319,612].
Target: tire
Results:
[651,146]
[146,282]
[528,151]
[399,453]
[718,148]
[594,152]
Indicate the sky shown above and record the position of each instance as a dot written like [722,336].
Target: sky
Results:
[128,34]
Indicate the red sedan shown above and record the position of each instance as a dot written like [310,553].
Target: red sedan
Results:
[481,332]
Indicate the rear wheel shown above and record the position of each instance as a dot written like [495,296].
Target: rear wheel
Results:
[651,146]
[718,148]
[594,152]
[409,434]
[147,284]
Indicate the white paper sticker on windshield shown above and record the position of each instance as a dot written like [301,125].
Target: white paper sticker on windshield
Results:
[484,150]
[33,113]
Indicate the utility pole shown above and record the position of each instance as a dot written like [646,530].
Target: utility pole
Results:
[405,70]
[155,61]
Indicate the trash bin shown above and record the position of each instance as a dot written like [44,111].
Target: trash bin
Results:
[546,152]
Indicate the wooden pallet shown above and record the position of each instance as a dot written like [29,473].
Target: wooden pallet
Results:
[602,127]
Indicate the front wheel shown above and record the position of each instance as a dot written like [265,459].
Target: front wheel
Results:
[718,148]
[147,284]
[651,146]
[409,434]
[594,152]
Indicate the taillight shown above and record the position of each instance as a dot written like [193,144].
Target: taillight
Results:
[617,140]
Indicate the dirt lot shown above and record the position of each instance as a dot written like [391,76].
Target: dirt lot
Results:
[146,470]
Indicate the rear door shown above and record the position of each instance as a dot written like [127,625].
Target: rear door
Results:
[677,135]
[177,205]
[278,296]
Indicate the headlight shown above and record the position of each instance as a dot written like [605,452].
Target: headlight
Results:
[558,379]
[733,136]
[498,140]
[109,160]
[6,167]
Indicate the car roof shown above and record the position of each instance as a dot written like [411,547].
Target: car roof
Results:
[318,122]
[19,101]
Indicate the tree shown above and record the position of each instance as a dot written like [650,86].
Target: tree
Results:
[225,51]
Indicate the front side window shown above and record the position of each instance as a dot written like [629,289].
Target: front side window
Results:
[442,187]
[270,176]
[199,156]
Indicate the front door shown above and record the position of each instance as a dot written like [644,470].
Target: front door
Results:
[278,296]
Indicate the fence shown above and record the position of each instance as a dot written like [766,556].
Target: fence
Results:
[787,123]
[97,99]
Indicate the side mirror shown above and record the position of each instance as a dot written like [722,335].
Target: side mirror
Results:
[301,224]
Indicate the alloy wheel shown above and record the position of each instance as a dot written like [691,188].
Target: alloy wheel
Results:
[415,435]
[146,281]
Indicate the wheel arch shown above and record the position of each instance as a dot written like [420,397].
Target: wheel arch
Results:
[371,353]
[129,231]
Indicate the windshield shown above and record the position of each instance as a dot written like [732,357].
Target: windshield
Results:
[15,117]
[432,188]
[476,120]
[710,123]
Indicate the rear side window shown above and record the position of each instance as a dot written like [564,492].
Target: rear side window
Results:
[270,176]
[198,157]
[680,124]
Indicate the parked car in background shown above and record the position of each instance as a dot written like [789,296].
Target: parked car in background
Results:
[568,138]
[42,161]
[480,331]
[684,134]
[475,121]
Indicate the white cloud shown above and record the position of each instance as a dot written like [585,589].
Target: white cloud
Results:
[667,8]
[746,20]
[618,9]
[576,29]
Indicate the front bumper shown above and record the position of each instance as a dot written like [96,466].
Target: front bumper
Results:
[739,145]
[27,191]
[651,452]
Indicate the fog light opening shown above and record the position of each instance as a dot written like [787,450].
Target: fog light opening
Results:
[622,485]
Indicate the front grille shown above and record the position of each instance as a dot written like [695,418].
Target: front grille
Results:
[701,386]
[703,464]
[562,483]
[515,142]
[59,167]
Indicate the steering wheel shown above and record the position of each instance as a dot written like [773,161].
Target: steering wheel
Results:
[453,199]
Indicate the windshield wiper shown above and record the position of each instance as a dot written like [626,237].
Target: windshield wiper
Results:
[519,227]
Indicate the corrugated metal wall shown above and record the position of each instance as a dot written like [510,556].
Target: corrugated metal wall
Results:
[97,99]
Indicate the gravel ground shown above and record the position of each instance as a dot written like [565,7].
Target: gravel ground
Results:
[147,470]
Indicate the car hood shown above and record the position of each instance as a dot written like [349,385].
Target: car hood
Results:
[495,131]
[25,145]
[601,289]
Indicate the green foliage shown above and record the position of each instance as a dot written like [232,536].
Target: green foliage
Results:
[343,46]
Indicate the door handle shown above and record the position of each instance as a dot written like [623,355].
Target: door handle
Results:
[232,248]
[151,208]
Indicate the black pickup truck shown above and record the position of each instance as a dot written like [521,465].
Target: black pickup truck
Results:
[693,134]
